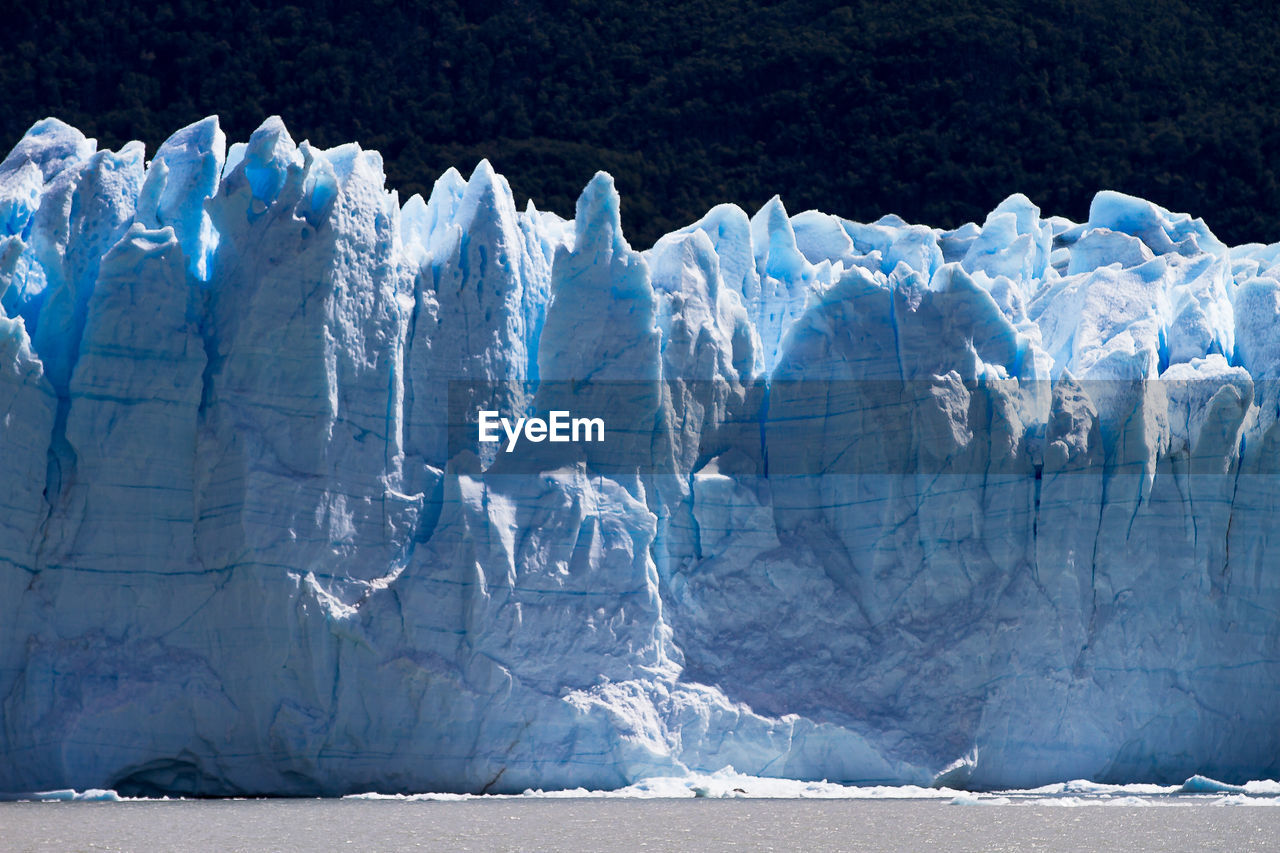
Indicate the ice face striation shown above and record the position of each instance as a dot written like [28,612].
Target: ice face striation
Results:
[876,502]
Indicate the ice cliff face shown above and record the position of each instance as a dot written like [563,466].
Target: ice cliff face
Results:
[878,502]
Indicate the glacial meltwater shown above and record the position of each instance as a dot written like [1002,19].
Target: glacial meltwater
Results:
[1021,821]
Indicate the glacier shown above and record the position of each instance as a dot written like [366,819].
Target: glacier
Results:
[878,503]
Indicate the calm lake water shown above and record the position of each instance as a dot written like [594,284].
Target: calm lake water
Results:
[518,824]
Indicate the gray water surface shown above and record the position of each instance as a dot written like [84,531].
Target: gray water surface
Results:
[521,824]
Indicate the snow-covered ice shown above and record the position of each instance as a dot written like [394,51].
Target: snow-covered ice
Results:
[879,503]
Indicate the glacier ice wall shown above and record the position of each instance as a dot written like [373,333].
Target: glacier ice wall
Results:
[878,502]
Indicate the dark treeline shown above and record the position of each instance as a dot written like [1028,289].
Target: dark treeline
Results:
[932,109]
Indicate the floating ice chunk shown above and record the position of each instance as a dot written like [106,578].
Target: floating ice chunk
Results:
[70,795]
[1205,785]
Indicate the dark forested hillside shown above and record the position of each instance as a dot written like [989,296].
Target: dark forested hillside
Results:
[934,110]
